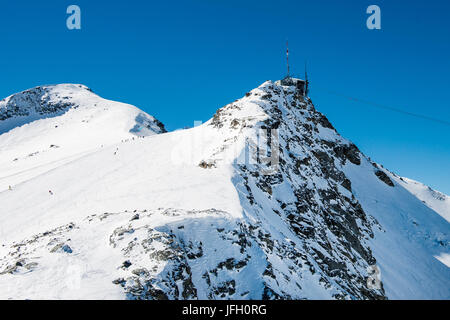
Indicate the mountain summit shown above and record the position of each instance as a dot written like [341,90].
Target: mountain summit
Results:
[60,123]
[264,201]
[56,100]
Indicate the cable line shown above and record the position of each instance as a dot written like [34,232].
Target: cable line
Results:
[381,106]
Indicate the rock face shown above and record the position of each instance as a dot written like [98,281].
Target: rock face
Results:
[37,101]
[309,192]
[275,204]
[383,177]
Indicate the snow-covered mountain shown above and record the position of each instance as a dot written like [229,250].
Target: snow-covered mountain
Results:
[52,125]
[136,213]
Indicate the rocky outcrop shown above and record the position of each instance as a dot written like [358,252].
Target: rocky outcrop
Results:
[331,228]
[35,101]
[384,177]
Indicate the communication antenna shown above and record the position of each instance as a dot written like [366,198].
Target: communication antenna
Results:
[287,57]
[306,79]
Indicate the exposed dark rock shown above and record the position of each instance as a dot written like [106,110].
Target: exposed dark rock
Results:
[206,165]
[348,152]
[383,177]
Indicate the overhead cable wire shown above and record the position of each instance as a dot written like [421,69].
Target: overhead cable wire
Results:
[382,106]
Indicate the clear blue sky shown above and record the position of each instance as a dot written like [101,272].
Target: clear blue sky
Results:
[181,60]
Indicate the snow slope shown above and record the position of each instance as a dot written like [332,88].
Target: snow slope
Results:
[436,200]
[199,213]
[45,127]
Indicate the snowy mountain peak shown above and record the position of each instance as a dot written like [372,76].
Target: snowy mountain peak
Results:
[274,100]
[57,123]
[264,201]
[55,100]
[326,190]
[42,100]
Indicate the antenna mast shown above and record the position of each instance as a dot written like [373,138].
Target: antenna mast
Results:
[287,57]
[306,79]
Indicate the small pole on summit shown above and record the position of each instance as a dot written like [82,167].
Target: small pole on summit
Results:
[287,57]
[306,80]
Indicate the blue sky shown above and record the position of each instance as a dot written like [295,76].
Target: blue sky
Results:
[181,60]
